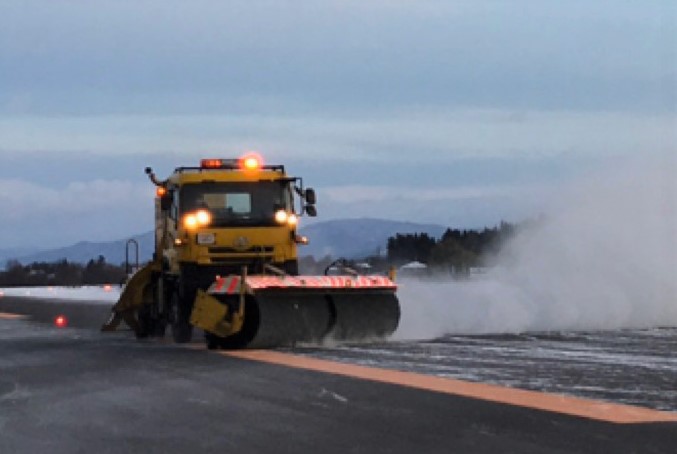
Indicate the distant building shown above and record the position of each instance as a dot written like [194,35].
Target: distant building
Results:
[413,269]
[363,267]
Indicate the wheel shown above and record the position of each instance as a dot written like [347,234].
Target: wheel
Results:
[181,307]
[145,323]
[151,321]
[161,302]
[182,330]
[213,341]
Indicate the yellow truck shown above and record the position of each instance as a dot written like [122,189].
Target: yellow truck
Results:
[226,261]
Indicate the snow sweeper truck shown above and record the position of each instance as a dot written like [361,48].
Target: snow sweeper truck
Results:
[226,262]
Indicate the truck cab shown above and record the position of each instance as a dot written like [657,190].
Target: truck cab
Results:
[223,216]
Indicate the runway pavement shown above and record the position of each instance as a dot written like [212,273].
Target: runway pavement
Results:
[78,390]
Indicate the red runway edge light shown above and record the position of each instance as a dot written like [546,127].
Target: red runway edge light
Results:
[60,321]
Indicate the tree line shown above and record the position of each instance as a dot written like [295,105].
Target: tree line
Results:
[61,273]
[456,252]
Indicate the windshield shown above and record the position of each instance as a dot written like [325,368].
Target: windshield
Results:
[237,204]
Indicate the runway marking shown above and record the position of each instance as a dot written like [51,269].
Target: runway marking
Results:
[554,403]
[10,316]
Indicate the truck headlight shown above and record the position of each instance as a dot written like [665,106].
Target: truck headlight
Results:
[190,221]
[200,218]
[281,216]
[203,217]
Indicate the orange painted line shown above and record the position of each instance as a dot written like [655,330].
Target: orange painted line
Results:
[8,316]
[554,403]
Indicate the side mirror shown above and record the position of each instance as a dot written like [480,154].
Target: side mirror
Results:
[166,201]
[311,210]
[310,196]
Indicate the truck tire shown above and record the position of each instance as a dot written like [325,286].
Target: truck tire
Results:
[150,324]
[144,329]
[158,311]
[182,306]
[150,321]
[213,341]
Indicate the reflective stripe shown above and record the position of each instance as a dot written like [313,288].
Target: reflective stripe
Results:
[260,282]
[231,285]
[218,285]
[234,285]
[225,285]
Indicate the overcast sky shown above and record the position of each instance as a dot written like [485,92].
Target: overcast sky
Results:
[455,112]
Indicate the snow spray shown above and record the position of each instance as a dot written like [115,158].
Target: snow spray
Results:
[603,257]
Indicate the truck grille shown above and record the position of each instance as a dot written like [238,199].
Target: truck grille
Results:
[251,250]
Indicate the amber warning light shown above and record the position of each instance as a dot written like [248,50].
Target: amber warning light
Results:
[251,162]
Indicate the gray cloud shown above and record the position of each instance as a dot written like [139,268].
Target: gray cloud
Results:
[442,135]
[216,57]
[38,216]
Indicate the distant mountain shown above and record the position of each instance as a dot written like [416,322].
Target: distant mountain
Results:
[352,238]
[84,251]
[347,238]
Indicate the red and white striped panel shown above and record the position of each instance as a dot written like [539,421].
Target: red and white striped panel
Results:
[333,282]
[231,285]
[225,286]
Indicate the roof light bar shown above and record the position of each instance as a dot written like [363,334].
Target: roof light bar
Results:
[248,162]
[217,163]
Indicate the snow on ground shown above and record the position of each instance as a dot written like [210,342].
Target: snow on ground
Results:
[94,294]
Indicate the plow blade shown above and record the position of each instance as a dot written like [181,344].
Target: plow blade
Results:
[136,293]
[287,311]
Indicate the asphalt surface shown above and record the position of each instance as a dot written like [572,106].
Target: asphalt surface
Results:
[77,390]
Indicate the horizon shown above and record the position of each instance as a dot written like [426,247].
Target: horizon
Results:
[40,250]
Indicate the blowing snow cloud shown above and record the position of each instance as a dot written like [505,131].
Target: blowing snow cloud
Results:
[605,257]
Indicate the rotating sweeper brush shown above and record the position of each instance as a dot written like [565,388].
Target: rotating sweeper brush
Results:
[226,261]
[270,311]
